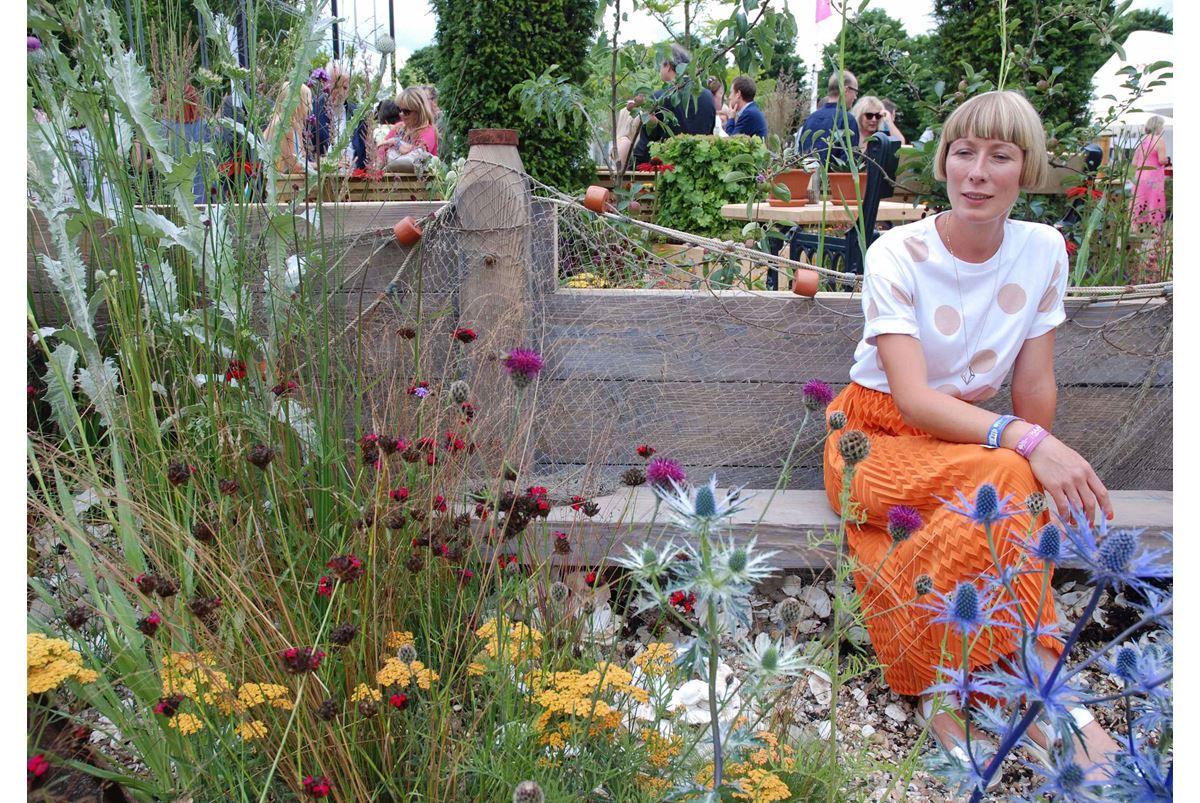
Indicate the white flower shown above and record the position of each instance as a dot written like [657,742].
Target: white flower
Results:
[770,659]
[700,506]
[741,564]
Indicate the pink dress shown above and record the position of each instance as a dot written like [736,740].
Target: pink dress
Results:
[1150,180]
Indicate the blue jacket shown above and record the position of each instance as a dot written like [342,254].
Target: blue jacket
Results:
[814,134]
[697,116]
[321,136]
[750,120]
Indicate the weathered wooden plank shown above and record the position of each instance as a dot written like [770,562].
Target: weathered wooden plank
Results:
[791,523]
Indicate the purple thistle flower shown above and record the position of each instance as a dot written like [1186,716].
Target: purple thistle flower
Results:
[817,395]
[903,521]
[32,43]
[523,366]
[319,74]
[421,393]
[988,507]
[662,471]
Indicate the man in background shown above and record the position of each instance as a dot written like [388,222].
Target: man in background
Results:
[748,118]
[682,114]
[830,130]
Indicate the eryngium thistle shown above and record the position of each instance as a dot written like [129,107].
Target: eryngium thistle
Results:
[528,792]
[590,509]
[1049,545]
[1035,503]
[790,611]
[407,653]
[385,44]
[1126,663]
[1116,551]
[260,456]
[459,391]
[837,420]
[559,592]
[854,446]
[343,634]
[633,477]
[923,585]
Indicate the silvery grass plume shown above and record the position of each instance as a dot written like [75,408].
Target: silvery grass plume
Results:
[1031,693]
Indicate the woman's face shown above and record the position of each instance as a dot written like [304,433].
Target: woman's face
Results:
[870,122]
[983,178]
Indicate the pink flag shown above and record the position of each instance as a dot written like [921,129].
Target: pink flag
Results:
[823,10]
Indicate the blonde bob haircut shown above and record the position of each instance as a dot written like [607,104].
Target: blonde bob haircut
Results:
[1005,116]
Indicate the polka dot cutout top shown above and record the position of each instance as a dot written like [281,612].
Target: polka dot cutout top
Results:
[910,289]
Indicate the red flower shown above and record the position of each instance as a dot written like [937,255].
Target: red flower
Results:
[36,766]
[481,511]
[459,444]
[284,387]
[146,583]
[325,586]
[236,370]
[316,787]
[346,568]
[431,459]
[466,575]
[149,624]
[506,560]
[537,490]
[646,451]
[420,389]
[465,335]
[169,706]
[1072,248]
[577,502]
[179,473]
[398,701]
[684,602]
[590,578]
[299,660]
[398,494]
[426,444]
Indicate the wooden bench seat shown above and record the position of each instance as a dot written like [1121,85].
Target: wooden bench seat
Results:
[627,518]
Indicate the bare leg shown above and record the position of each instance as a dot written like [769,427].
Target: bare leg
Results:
[1091,753]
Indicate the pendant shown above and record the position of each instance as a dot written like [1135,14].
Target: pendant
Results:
[967,375]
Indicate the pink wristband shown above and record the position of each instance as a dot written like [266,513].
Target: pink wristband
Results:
[1032,438]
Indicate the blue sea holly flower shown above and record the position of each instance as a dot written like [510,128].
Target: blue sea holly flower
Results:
[1066,780]
[1115,559]
[988,506]
[962,684]
[1143,776]
[701,505]
[967,609]
[1045,545]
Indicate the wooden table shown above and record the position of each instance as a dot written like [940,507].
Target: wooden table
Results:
[815,214]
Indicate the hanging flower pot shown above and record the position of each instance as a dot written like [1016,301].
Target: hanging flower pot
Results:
[841,188]
[598,199]
[797,183]
[805,282]
[407,231]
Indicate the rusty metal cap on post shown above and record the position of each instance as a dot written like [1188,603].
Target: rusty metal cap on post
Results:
[493,136]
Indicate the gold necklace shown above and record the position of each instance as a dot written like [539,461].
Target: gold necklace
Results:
[968,373]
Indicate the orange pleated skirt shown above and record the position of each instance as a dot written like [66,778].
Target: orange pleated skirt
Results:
[907,466]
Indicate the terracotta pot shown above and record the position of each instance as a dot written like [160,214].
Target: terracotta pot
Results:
[407,231]
[797,183]
[806,282]
[598,199]
[841,187]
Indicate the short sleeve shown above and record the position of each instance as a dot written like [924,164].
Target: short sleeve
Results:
[1051,311]
[889,295]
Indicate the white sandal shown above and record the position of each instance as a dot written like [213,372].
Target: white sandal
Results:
[925,712]
[1079,715]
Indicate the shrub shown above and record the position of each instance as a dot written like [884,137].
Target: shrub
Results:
[708,172]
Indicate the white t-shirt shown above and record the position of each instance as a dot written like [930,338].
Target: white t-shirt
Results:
[975,323]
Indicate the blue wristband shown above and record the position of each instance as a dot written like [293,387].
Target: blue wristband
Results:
[996,430]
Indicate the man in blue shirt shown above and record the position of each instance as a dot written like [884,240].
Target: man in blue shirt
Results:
[748,118]
[687,115]
[832,121]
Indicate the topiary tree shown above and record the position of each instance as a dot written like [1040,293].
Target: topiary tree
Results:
[484,49]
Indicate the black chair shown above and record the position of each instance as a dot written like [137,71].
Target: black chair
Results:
[843,253]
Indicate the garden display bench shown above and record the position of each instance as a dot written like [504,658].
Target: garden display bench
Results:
[604,178]
[793,524]
[386,187]
[827,212]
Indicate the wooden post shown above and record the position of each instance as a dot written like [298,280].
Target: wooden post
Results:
[492,222]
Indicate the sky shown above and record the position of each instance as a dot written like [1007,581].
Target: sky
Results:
[416,23]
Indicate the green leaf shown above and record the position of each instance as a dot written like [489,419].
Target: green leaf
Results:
[782,192]
[60,385]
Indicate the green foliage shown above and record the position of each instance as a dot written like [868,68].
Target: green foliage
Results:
[709,172]
[421,67]
[1144,19]
[874,41]
[486,49]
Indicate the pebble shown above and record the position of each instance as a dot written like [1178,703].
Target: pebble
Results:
[895,713]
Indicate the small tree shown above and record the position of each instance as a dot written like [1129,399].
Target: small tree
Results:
[874,42]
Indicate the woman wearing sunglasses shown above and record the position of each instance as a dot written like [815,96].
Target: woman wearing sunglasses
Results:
[414,132]
[869,112]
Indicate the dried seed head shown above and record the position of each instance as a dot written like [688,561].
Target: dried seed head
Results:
[559,592]
[923,585]
[407,653]
[228,487]
[76,617]
[203,532]
[854,446]
[460,391]
[790,611]
[327,710]
[528,792]
[343,634]
[368,708]
[633,477]
[837,420]
[260,456]
[1035,503]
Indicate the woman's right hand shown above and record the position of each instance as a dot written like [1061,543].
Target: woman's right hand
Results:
[1069,480]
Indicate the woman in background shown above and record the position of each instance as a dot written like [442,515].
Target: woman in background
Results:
[292,155]
[1150,163]
[418,132]
[869,113]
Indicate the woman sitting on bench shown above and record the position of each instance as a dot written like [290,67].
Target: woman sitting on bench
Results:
[952,304]
[414,138]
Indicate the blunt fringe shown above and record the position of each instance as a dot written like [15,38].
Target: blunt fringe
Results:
[1004,115]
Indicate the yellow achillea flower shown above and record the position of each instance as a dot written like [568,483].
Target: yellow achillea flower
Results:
[760,786]
[50,661]
[661,749]
[187,724]
[194,675]
[364,692]
[519,643]
[476,669]
[252,694]
[251,731]
[656,659]
[397,639]
[586,279]
[578,694]
[395,672]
